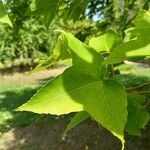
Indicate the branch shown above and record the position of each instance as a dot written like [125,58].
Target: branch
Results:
[137,87]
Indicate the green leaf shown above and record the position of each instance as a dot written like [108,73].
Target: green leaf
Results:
[51,60]
[80,88]
[138,116]
[77,119]
[133,48]
[85,59]
[3,15]
[46,8]
[145,51]
[137,42]
[106,41]
[142,20]
[76,9]
[105,101]
[60,52]
[53,98]
[61,49]
[66,45]
[142,24]
[67,62]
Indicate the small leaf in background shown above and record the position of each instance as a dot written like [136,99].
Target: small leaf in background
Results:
[61,49]
[76,9]
[132,48]
[77,119]
[142,24]
[137,47]
[142,20]
[3,15]
[66,62]
[46,8]
[60,52]
[106,41]
[138,116]
[51,60]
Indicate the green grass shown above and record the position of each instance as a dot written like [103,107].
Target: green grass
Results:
[133,75]
[12,96]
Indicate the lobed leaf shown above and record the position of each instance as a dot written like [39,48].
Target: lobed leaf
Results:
[138,116]
[105,101]
[80,88]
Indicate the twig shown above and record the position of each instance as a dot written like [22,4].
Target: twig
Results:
[139,92]
[113,72]
[137,87]
[147,104]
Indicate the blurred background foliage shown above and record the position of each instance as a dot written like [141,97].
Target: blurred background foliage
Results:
[30,41]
